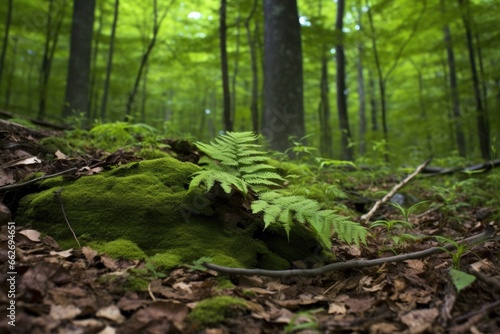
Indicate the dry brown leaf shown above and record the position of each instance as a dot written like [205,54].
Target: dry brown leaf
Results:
[111,312]
[33,235]
[419,321]
[59,312]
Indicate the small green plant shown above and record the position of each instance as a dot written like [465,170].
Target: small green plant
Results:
[460,279]
[119,134]
[303,321]
[236,162]
[396,228]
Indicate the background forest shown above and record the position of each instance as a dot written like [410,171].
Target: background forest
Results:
[416,77]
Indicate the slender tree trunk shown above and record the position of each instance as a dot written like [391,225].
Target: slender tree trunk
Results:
[10,73]
[373,102]
[157,21]
[144,94]
[104,103]
[6,37]
[228,120]
[324,110]
[235,71]
[77,84]
[94,90]
[347,151]
[254,108]
[455,100]
[482,116]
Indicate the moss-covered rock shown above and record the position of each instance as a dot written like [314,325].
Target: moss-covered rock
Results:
[147,209]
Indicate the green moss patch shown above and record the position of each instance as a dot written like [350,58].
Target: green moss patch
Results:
[146,209]
[216,310]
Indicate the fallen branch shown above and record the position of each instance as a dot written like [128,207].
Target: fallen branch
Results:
[353,264]
[41,178]
[366,217]
[57,194]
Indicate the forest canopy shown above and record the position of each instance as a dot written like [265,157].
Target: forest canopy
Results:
[417,78]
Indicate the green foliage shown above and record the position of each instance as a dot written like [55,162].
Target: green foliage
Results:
[303,321]
[281,209]
[461,279]
[119,134]
[234,160]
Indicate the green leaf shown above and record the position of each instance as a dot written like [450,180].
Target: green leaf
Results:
[461,279]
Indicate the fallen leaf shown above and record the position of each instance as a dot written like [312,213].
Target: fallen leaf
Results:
[111,313]
[60,155]
[33,235]
[59,312]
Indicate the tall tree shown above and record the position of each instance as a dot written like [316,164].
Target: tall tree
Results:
[361,85]
[482,116]
[382,79]
[51,39]
[455,100]
[345,132]
[77,83]
[109,65]
[157,22]
[254,108]
[6,37]
[283,114]
[228,119]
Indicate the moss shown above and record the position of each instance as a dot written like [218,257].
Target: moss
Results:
[224,283]
[216,310]
[150,154]
[120,248]
[53,144]
[149,205]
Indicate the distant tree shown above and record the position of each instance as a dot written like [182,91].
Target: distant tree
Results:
[94,73]
[109,65]
[361,85]
[6,37]
[345,132]
[157,22]
[482,116]
[10,73]
[382,78]
[455,100]
[77,83]
[283,114]
[228,119]
[324,112]
[254,108]
[51,39]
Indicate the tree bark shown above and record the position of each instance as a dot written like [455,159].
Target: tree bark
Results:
[10,73]
[324,111]
[6,37]
[94,90]
[345,132]
[482,116]
[361,88]
[283,114]
[109,66]
[77,84]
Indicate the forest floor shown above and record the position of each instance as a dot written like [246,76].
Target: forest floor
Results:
[81,291]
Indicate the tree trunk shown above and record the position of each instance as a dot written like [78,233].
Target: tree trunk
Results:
[283,114]
[6,37]
[482,116]
[361,88]
[10,73]
[254,107]
[157,21]
[345,132]
[48,56]
[77,83]
[235,71]
[324,111]
[104,103]
[94,90]
[228,121]
[455,100]
[144,94]
[373,102]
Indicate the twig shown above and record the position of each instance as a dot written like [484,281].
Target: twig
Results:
[41,178]
[353,264]
[366,217]
[58,195]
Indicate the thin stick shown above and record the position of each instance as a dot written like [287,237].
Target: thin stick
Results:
[58,195]
[353,264]
[41,178]
[366,217]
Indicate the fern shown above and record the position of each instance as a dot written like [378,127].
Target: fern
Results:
[284,209]
[235,160]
